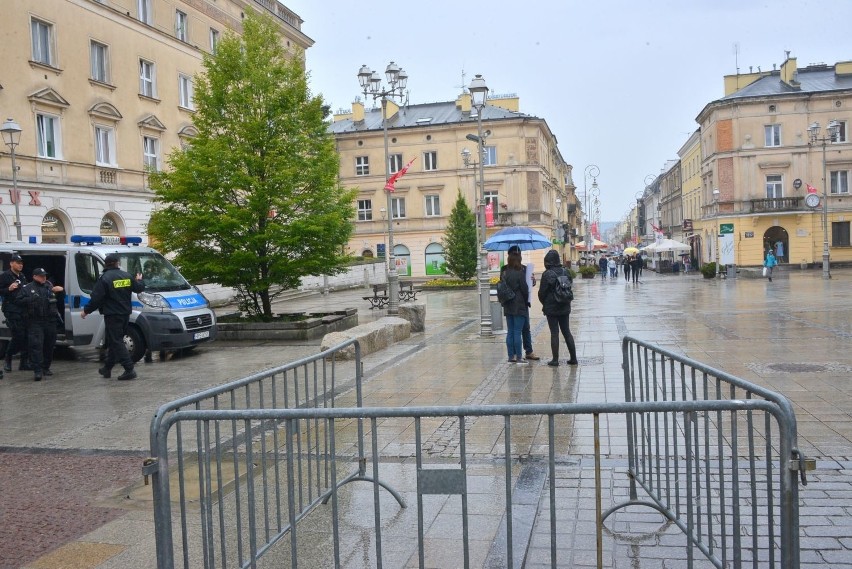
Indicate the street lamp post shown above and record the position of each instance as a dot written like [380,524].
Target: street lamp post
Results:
[12,137]
[560,234]
[593,172]
[813,134]
[371,84]
[479,94]
[716,194]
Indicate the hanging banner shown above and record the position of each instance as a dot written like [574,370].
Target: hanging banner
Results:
[489,214]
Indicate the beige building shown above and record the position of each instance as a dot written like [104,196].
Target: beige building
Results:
[524,175]
[102,90]
[690,174]
[758,161]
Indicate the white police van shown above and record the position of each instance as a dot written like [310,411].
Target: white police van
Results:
[171,314]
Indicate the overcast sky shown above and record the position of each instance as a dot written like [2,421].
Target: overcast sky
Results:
[619,82]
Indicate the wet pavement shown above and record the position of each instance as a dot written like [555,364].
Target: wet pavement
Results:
[72,446]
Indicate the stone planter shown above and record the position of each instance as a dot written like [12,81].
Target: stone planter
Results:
[708,276]
[316,325]
[587,275]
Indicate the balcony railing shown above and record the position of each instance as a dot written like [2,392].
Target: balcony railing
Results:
[775,204]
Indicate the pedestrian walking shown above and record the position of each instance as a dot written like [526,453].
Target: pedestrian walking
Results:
[602,263]
[39,300]
[636,268]
[627,261]
[516,309]
[769,264]
[111,296]
[11,282]
[557,312]
[613,268]
[526,333]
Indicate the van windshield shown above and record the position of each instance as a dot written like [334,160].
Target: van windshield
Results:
[158,273]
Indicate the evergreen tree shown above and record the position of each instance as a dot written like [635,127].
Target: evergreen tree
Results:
[460,241]
[254,202]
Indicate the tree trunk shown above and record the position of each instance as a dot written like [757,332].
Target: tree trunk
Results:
[267,305]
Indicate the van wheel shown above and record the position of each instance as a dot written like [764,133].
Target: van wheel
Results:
[135,343]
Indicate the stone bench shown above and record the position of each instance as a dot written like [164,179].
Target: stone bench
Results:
[373,336]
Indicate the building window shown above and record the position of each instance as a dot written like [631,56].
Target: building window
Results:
[430,160]
[146,15]
[394,163]
[839,182]
[489,156]
[365,210]
[185,91]
[52,228]
[362,165]
[42,42]
[397,208]
[774,186]
[181,26]
[491,198]
[433,206]
[98,53]
[150,153]
[47,136]
[147,79]
[841,132]
[840,234]
[214,39]
[772,135]
[105,146]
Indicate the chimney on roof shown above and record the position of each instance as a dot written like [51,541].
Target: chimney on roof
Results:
[357,111]
[789,73]
[463,102]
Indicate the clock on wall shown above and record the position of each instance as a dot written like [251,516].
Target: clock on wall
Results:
[812,200]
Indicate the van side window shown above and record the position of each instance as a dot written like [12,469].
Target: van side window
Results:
[88,271]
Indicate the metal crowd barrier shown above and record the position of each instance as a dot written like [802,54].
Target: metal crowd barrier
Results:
[721,480]
[716,454]
[232,476]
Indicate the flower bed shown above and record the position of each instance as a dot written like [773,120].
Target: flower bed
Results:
[286,326]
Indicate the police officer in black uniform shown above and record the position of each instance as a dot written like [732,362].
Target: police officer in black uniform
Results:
[11,282]
[111,295]
[38,298]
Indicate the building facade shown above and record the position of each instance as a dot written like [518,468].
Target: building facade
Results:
[690,173]
[524,176]
[102,91]
[758,161]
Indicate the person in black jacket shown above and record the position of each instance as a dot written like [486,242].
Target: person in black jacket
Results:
[557,313]
[11,282]
[111,296]
[517,309]
[38,299]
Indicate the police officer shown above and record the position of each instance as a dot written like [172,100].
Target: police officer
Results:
[11,282]
[38,298]
[111,295]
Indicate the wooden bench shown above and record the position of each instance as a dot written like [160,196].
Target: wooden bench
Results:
[378,300]
[407,291]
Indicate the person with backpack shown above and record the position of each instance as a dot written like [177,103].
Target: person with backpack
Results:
[556,293]
[513,294]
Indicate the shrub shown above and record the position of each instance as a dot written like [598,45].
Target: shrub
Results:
[708,269]
[587,270]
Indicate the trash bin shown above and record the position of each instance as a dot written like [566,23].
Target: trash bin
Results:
[496,313]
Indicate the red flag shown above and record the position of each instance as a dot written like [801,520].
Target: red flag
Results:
[489,214]
[392,180]
[655,228]
[811,189]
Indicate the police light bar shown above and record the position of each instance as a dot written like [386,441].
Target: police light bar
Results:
[105,240]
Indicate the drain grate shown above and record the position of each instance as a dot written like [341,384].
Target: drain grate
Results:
[593,360]
[797,368]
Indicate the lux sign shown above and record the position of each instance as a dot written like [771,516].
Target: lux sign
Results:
[15,197]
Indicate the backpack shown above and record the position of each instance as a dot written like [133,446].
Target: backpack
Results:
[505,294]
[563,290]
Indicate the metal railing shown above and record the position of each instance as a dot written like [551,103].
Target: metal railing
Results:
[234,471]
[716,454]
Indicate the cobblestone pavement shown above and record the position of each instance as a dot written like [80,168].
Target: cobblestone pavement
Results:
[791,335]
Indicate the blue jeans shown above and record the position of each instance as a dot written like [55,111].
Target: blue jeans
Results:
[515,325]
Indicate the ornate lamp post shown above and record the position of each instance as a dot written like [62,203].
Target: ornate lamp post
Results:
[716,194]
[12,137]
[371,84]
[592,172]
[560,233]
[479,93]
[813,134]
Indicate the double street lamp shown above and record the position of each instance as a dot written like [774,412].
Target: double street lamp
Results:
[479,93]
[371,84]
[813,135]
[12,137]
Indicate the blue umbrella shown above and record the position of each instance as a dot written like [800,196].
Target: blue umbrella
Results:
[524,237]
